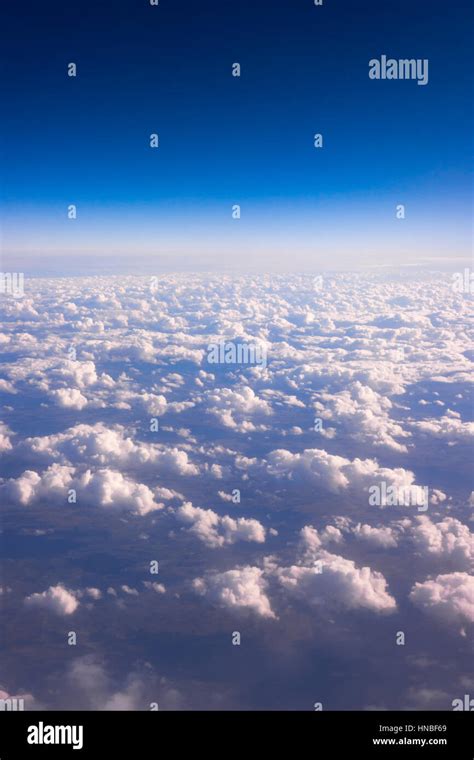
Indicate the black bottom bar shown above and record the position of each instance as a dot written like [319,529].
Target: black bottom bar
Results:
[136,734]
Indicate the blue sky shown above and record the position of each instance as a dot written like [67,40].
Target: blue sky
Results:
[227,140]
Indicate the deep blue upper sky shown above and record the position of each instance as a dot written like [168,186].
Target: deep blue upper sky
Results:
[226,140]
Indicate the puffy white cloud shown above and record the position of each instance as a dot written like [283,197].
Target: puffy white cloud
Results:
[363,414]
[334,473]
[382,536]
[310,543]
[128,590]
[158,588]
[449,428]
[94,593]
[234,408]
[81,374]
[91,685]
[57,599]
[448,598]
[243,588]
[216,531]
[106,488]
[5,433]
[312,540]
[69,398]
[449,539]
[100,444]
[31,486]
[224,496]
[64,380]
[112,490]
[336,582]
[89,677]
[155,405]
[331,534]
[6,386]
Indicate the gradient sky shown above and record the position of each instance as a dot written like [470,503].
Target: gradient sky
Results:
[226,140]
